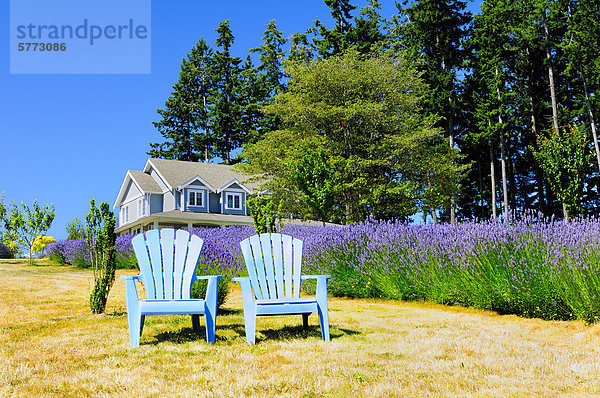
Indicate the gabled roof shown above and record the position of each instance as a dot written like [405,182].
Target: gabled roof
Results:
[177,173]
[143,181]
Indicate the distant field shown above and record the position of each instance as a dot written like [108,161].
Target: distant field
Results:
[51,346]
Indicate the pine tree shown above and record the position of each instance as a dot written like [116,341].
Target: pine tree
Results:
[184,122]
[368,37]
[226,117]
[330,42]
[434,34]
[270,75]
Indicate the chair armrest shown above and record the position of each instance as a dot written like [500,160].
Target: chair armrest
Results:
[208,277]
[131,296]
[131,277]
[305,277]
[247,294]
[321,292]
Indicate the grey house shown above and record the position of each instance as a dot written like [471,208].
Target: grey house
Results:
[173,193]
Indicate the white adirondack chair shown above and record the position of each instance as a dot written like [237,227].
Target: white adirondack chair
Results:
[274,263]
[167,261]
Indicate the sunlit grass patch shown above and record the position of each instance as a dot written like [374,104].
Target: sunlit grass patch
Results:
[51,346]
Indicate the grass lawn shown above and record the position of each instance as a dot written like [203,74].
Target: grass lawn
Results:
[50,345]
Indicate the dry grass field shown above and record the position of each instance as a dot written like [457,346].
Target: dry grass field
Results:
[51,346]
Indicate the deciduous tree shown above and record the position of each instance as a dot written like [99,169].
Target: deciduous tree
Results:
[365,114]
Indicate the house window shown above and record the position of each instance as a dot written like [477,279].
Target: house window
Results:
[124,215]
[141,207]
[196,198]
[233,201]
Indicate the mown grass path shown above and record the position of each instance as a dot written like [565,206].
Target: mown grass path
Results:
[51,346]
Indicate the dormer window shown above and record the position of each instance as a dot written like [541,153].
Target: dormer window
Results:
[195,198]
[233,201]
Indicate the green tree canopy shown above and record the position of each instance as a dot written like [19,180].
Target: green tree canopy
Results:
[564,157]
[364,115]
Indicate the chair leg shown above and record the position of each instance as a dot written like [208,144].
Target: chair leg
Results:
[322,308]
[324,322]
[250,322]
[196,323]
[135,322]
[142,319]
[249,310]
[134,329]
[305,321]
[211,326]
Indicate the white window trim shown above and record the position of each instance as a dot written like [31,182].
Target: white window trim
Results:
[196,192]
[239,195]
[142,204]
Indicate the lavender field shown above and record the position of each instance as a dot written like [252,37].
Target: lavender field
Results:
[526,266]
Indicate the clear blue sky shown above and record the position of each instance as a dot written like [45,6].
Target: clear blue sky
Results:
[67,138]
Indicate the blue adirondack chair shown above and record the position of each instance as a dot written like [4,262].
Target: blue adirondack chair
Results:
[274,263]
[167,261]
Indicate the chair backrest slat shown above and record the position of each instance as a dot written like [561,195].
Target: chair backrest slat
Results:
[278,259]
[181,251]
[274,264]
[260,266]
[191,262]
[267,251]
[141,253]
[153,242]
[167,261]
[287,265]
[297,243]
[251,267]
[167,237]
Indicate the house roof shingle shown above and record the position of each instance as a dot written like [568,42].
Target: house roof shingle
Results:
[178,172]
[144,181]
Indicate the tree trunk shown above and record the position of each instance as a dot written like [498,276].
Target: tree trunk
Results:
[434,216]
[493,180]
[502,154]
[431,209]
[551,75]
[451,134]
[481,184]
[538,171]
[586,94]
[565,214]
[503,167]
[205,130]
[590,115]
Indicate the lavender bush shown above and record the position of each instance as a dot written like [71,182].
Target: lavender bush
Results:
[525,266]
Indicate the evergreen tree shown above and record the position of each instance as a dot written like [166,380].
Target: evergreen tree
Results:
[270,70]
[300,49]
[329,42]
[184,122]
[226,117]
[367,37]
[434,34]
[490,60]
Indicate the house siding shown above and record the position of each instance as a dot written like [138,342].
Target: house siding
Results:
[132,192]
[215,203]
[156,203]
[237,190]
[197,186]
[168,201]
[176,200]
[159,180]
